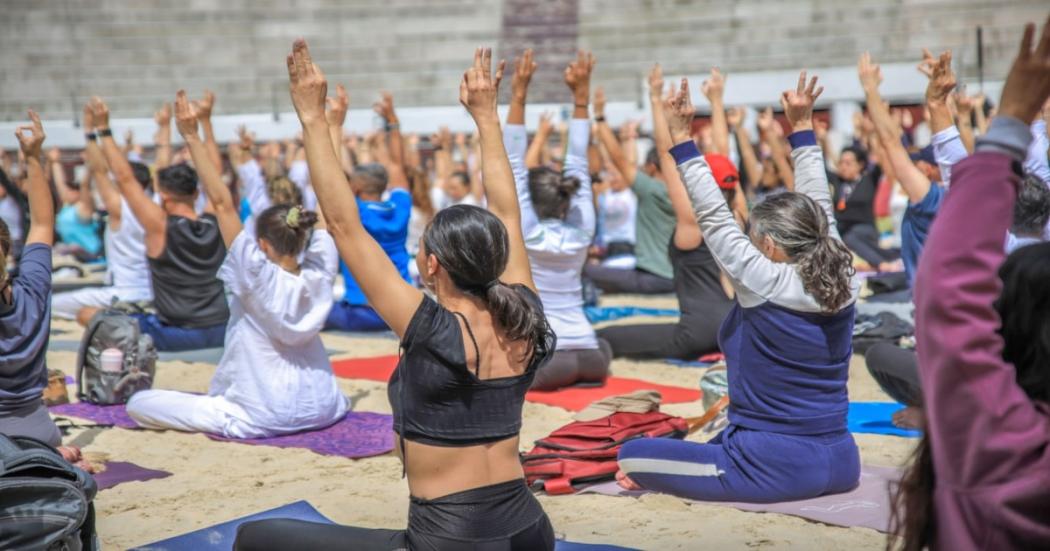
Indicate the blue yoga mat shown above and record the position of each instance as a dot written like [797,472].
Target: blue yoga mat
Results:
[876,418]
[598,314]
[221,536]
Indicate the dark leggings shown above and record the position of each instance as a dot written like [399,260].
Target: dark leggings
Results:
[503,516]
[863,239]
[897,372]
[569,367]
[619,280]
[686,340]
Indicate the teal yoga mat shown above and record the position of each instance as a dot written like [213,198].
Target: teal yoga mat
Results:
[598,314]
[876,418]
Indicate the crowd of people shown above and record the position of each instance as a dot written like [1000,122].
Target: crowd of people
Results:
[480,253]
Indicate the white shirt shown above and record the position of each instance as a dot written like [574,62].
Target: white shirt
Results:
[11,214]
[557,249]
[619,209]
[417,224]
[126,263]
[442,200]
[275,366]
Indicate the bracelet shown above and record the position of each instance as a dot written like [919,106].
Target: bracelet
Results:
[581,105]
[600,118]
[392,126]
[105,133]
[90,136]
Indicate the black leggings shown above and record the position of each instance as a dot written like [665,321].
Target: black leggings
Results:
[619,280]
[569,367]
[686,340]
[863,239]
[897,372]
[503,516]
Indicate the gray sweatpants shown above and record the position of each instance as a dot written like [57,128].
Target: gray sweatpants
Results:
[31,420]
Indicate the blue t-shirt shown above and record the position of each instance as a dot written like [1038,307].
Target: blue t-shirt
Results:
[25,327]
[918,219]
[387,223]
[72,230]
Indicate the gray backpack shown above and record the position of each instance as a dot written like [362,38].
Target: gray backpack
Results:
[114,329]
[45,502]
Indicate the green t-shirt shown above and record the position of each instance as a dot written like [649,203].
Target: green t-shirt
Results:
[654,226]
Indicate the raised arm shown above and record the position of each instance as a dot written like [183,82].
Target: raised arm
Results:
[96,163]
[964,105]
[204,107]
[768,132]
[515,137]
[986,425]
[66,194]
[218,194]
[249,171]
[810,175]
[915,184]
[41,204]
[162,139]
[687,231]
[442,157]
[581,208]
[149,214]
[948,146]
[538,145]
[86,199]
[335,114]
[395,147]
[613,148]
[393,299]
[735,119]
[714,89]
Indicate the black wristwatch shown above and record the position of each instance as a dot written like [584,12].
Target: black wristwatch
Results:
[105,133]
[90,136]
[599,119]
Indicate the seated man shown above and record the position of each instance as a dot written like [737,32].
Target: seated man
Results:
[127,272]
[387,222]
[184,251]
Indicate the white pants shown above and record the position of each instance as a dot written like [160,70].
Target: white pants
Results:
[66,305]
[169,409]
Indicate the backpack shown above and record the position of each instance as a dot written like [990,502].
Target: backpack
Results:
[114,329]
[45,502]
[585,451]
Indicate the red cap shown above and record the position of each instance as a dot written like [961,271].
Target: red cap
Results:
[723,169]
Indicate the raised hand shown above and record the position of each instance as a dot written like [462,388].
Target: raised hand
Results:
[714,87]
[680,113]
[869,72]
[54,155]
[964,104]
[798,104]
[545,127]
[578,77]
[186,114]
[100,113]
[939,71]
[163,115]
[246,140]
[766,122]
[735,116]
[307,84]
[599,102]
[442,139]
[31,137]
[385,108]
[339,105]
[656,83]
[1028,83]
[479,90]
[88,118]
[524,68]
[205,105]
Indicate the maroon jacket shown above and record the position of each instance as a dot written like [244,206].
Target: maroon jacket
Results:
[990,442]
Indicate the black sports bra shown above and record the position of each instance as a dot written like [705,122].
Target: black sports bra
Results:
[439,400]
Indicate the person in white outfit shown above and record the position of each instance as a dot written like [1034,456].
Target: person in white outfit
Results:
[274,376]
[127,270]
[558,222]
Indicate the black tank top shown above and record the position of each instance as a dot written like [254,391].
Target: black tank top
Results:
[186,291]
[437,399]
[697,284]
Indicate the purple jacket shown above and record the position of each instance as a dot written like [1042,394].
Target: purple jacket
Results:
[990,442]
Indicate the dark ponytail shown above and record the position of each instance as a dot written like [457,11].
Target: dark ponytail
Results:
[551,192]
[911,514]
[471,244]
[5,250]
[797,224]
[285,228]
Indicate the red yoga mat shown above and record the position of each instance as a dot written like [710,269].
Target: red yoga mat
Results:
[573,398]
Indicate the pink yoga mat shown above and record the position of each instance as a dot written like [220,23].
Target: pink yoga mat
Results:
[867,506]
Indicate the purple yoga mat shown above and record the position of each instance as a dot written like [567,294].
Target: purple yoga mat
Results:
[103,415]
[359,434]
[119,472]
[868,505]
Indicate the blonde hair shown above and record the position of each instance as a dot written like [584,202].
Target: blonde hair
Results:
[283,191]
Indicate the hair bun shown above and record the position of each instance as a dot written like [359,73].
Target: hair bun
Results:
[292,218]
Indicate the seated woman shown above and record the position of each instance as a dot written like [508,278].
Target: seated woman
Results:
[467,358]
[25,305]
[787,343]
[979,475]
[274,376]
[557,219]
[698,283]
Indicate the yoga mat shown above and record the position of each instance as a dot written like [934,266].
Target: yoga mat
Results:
[221,536]
[573,398]
[598,314]
[868,505]
[876,418]
[119,472]
[115,415]
[359,434]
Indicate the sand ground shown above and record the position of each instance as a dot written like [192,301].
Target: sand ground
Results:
[213,482]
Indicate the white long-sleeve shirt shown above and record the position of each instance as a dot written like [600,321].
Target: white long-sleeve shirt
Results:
[557,249]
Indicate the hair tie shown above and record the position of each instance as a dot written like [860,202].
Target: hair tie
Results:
[292,218]
[491,284]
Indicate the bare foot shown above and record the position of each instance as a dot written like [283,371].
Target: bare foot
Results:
[70,453]
[626,483]
[910,418]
